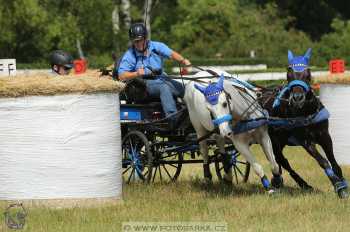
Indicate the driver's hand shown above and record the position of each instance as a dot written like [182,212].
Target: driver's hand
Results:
[186,62]
[140,72]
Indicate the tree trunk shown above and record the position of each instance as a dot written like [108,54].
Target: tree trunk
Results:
[126,12]
[147,16]
[80,51]
[115,19]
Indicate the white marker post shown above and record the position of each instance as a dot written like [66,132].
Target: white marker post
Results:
[7,67]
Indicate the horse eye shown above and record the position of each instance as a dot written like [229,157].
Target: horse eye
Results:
[224,104]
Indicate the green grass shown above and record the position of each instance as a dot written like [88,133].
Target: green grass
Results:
[245,207]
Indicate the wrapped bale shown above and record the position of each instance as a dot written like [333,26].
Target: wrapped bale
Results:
[60,140]
[335,95]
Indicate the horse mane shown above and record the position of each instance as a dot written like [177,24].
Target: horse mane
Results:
[241,100]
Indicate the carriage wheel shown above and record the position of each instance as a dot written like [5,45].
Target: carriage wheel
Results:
[240,167]
[167,166]
[137,158]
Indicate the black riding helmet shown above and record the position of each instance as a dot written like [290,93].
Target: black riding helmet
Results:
[62,58]
[137,31]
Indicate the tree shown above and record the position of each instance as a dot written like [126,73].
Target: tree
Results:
[335,44]
[147,16]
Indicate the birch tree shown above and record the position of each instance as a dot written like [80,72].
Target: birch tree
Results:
[147,16]
[126,12]
[115,19]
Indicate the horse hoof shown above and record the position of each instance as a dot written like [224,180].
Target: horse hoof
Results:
[340,185]
[343,193]
[277,181]
[271,191]
[307,187]
[227,182]
[207,181]
[345,183]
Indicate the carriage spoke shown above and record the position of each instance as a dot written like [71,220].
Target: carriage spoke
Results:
[154,175]
[160,174]
[168,156]
[146,173]
[166,170]
[127,169]
[239,170]
[131,174]
[234,168]
[174,166]
[131,146]
[241,162]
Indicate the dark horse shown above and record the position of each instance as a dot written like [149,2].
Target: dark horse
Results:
[298,100]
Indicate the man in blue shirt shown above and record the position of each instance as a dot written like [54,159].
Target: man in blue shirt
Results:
[145,57]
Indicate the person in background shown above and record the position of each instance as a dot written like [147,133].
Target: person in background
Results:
[61,62]
[146,57]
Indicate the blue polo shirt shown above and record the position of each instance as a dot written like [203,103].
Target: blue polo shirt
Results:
[132,60]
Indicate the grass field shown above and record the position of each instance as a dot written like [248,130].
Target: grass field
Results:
[244,207]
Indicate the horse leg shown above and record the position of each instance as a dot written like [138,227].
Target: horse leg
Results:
[338,184]
[281,160]
[206,168]
[243,148]
[325,141]
[225,159]
[265,142]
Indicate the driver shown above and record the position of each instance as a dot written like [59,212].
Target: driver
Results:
[146,57]
[61,62]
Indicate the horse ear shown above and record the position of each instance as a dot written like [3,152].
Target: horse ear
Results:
[220,83]
[308,54]
[290,56]
[200,88]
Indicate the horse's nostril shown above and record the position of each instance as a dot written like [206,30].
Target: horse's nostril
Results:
[229,134]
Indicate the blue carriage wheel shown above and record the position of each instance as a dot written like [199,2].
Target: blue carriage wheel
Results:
[240,167]
[167,164]
[136,158]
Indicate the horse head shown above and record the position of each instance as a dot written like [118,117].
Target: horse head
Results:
[298,67]
[217,102]
[299,78]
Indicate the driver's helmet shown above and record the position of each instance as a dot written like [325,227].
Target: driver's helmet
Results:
[137,31]
[61,58]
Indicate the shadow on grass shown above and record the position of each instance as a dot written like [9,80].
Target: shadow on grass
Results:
[216,189]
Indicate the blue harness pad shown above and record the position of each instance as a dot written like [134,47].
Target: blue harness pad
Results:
[286,123]
[244,126]
[321,116]
[290,123]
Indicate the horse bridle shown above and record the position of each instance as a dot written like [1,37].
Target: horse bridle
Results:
[226,117]
[229,117]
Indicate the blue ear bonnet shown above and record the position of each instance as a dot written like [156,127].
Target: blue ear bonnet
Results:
[212,91]
[299,63]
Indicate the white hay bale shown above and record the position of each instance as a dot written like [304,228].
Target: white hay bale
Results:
[64,147]
[336,98]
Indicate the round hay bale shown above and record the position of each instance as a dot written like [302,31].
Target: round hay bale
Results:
[335,95]
[61,140]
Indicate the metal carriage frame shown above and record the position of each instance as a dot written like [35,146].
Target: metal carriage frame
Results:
[153,151]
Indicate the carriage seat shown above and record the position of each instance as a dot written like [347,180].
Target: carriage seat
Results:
[135,93]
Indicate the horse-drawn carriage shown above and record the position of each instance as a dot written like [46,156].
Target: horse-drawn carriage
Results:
[153,150]
[292,114]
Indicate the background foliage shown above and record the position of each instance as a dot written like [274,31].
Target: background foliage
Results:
[200,29]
